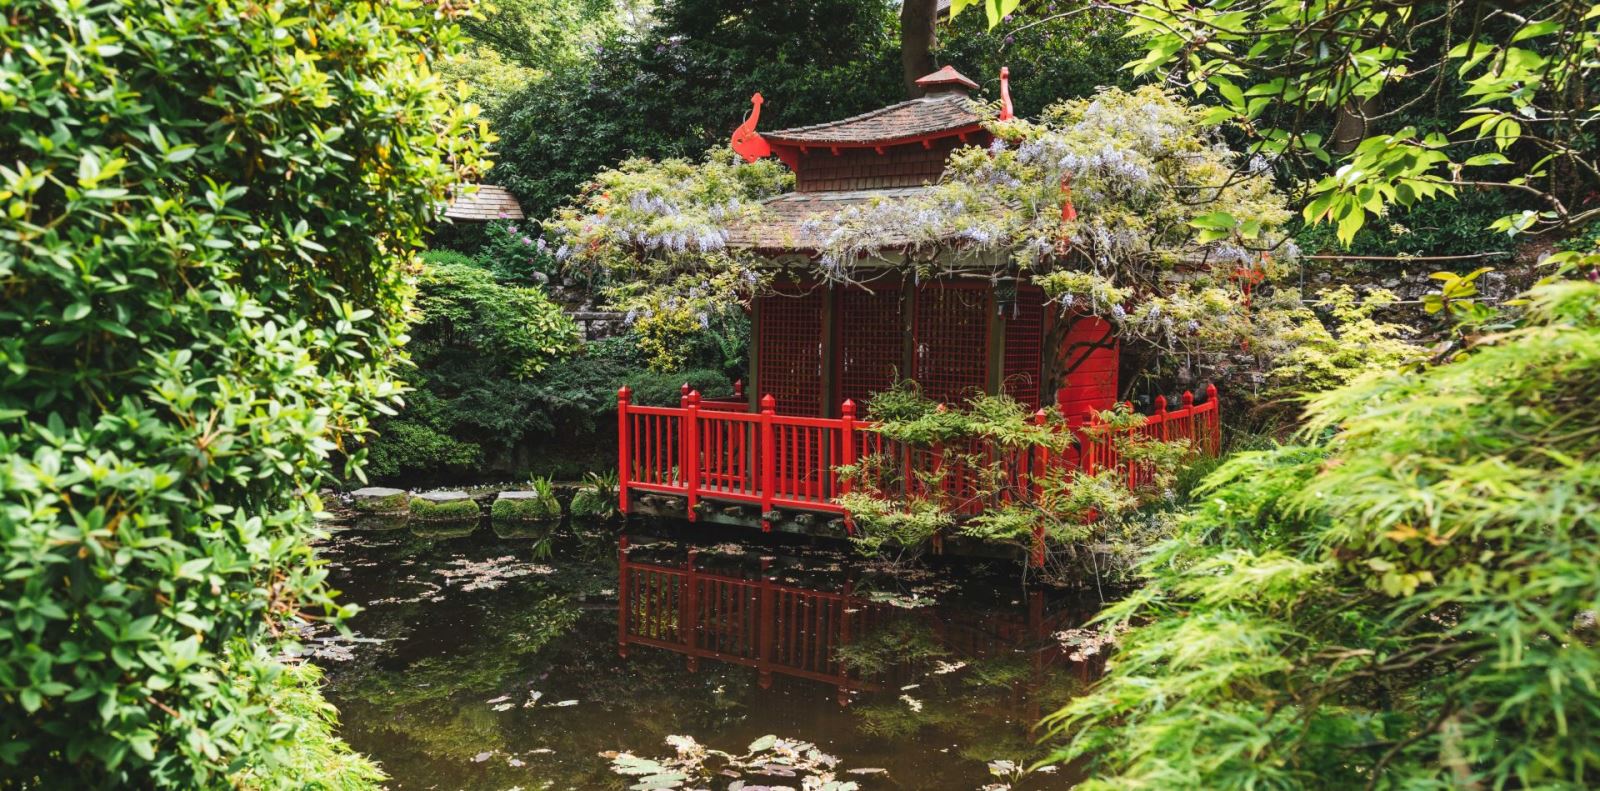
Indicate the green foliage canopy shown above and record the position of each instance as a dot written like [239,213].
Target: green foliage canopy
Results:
[208,210]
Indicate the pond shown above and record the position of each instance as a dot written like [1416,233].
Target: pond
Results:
[497,660]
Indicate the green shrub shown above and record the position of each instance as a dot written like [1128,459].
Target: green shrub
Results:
[596,498]
[315,759]
[210,210]
[443,511]
[1406,601]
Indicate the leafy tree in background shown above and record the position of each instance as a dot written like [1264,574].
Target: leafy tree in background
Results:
[502,384]
[685,83]
[209,213]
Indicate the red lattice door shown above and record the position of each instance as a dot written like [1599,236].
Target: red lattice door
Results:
[871,336]
[789,351]
[1024,342]
[952,340]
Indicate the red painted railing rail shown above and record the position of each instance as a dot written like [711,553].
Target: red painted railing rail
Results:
[773,461]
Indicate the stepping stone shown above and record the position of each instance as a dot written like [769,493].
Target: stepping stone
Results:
[444,506]
[379,500]
[525,506]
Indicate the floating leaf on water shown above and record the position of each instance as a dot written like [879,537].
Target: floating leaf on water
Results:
[763,743]
[481,757]
[867,771]
[501,699]
[505,707]
[565,703]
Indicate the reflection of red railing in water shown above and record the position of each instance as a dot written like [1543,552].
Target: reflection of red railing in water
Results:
[715,451]
[790,630]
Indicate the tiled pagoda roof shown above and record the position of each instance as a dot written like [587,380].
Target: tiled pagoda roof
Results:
[784,220]
[929,116]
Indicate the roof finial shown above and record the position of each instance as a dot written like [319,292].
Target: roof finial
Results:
[747,142]
[1005,94]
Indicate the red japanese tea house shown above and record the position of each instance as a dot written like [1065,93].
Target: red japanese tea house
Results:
[767,456]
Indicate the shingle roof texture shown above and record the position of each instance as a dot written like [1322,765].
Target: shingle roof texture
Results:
[783,224]
[929,115]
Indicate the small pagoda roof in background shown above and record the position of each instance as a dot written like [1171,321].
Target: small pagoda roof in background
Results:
[945,78]
[941,114]
[486,202]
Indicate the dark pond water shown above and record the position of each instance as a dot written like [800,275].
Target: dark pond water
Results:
[496,661]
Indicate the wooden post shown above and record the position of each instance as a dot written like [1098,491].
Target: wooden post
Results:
[623,462]
[683,395]
[1214,420]
[622,595]
[769,408]
[1161,417]
[829,341]
[1087,460]
[738,389]
[691,451]
[847,453]
[1041,462]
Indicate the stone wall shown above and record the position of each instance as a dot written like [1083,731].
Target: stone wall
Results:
[598,324]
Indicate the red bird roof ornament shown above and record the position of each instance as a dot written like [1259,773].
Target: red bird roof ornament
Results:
[1005,94]
[747,142]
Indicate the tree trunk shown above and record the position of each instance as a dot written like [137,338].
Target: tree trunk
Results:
[917,20]
[1350,125]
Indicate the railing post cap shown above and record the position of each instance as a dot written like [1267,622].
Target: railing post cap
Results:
[623,393]
[1211,391]
[1188,398]
[1161,403]
[684,389]
[1040,416]
[768,402]
[694,397]
[848,408]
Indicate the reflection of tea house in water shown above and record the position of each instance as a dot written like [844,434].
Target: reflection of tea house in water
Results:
[766,454]
[744,614]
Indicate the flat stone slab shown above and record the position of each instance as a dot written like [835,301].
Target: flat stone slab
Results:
[443,497]
[374,492]
[518,495]
[379,499]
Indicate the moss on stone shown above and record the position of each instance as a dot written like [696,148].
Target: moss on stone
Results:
[444,507]
[526,507]
[379,500]
[591,503]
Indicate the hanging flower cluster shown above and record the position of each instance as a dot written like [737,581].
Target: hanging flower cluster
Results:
[1106,202]
[656,236]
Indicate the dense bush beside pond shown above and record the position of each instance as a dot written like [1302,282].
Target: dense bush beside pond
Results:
[211,209]
[502,385]
[1406,600]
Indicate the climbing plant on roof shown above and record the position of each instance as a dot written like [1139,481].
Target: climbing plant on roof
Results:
[1127,205]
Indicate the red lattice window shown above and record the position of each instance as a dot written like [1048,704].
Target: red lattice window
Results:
[952,335]
[871,340]
[789,351]
[1024,340]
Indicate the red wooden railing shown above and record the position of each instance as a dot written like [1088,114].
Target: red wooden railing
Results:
[703,450]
